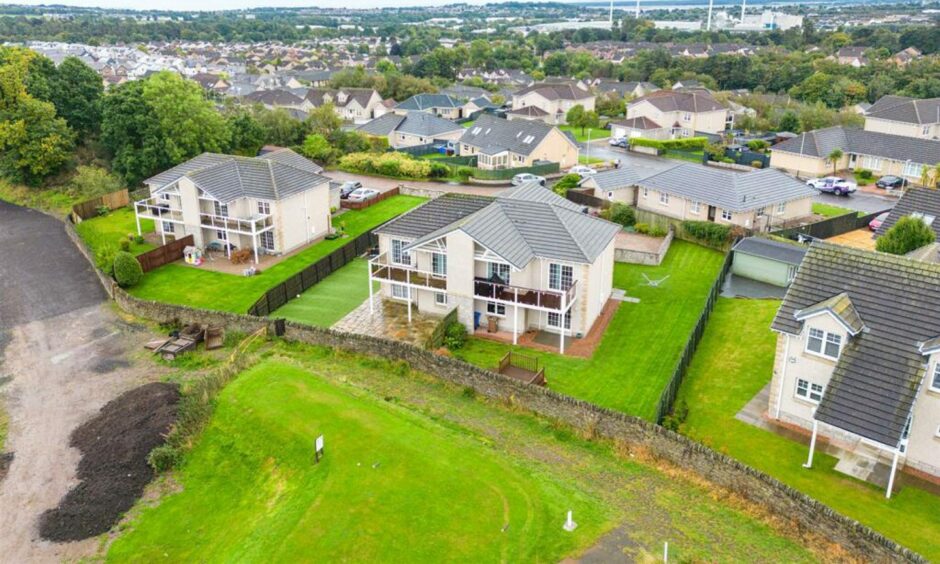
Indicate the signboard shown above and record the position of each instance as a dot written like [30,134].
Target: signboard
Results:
[318,448]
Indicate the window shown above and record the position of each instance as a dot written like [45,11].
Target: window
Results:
[912,169]
[400,291]
[872,163]
[935,383]
[267,240]
[220,209]
[646,192]
[809,391]
[695,207]
[823,343]
[925,131]
[761,212]
[439,264]
[165,197]
[221,235]
[560,277]
[781,208]
[726,215]
[264,208]
[554,320]
[168,227]
[687,117]
[664,198]
[440,298]
[498,269]
[494,308]
[399,254]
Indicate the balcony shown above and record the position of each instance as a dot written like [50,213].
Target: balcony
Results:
[554,300]
[159,210]
[244,226]
[382,268]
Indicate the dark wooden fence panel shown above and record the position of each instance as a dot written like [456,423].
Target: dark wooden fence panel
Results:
[312,275]
[582,198]
[668,397]
[89,209]
[830,227]
[166,254]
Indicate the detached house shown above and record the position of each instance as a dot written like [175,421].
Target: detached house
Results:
[411,129]
[528,258]
[440,105]
[853,56]
[553,100]
[274,203]
[858,360]
[500,143]
[351,104]
[680,112]
[900,115]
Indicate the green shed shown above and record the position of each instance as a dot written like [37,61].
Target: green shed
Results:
[766,260]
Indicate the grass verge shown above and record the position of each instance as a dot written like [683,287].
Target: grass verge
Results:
[828,210]
[733,363]
[49,200]
[591,133]
[329,301]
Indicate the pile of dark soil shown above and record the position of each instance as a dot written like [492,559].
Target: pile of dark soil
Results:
[113,469]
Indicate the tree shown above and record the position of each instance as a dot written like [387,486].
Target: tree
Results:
[131,133]
[833,157]
[91,181]
[908,234]
[566,183]
[577,116]
[323,120]
[929,176]
[77,92]
[789,122]
[316,147]
[279,127]
[247,133]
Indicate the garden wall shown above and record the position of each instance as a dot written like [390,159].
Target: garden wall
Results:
[406,190]
[649,258]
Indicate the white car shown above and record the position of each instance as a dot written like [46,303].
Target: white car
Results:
[833,185]
[615,141]
[362,194]
[582,171]
[525,177]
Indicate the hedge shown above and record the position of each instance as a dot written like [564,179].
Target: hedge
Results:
[707,232]
[397,165]
[663,144]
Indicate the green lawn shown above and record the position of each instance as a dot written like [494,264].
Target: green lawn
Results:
[468,124]
[414,471]
[187,285]
[828,210]
[330,300]
[644,340]
[585,160]
[113,228]
[593,132]
[734,361]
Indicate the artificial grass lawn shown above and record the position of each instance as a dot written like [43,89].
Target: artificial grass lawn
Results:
[414,471]
[330,300]
[643,342]
[192,286]
[828,210]
[733,363]
[113,228]
[592,132]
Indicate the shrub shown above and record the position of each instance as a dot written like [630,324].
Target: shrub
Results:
[455,336]
[566,183]
[139,239]
[864,174]
[707,232]
[397,165]
[164,457]
[439,170]
[127,270]
[91,181]
[907,234]
[125,245]
[622,214]
[757,164]
[658,231]
[757,145]
[642,228]
[104,257]
[678,416]
[103,210]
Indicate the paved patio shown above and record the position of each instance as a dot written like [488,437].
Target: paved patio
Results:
[858,239]
[389,320]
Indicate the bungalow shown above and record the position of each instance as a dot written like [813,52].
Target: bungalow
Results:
[683,112]
[501,143]
[639,127]
[853,56]
[273,204]
[900,115]
[904,57]
[440,105]
[411,129]
[808,153]
[858,360]
[555,99]
[526,259]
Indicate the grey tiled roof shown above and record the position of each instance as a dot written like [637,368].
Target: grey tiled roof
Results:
[614,179]
[413,123]
[682,101]
[841,307]
[556,91]
[641,122]
[522,223]
[492,134]
[915,200]
[820,142]
[734,191]
[436,214]
[226,178]
[876,378]
[768,248]
[423,102]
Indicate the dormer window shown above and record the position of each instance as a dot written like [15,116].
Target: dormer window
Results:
[824,343]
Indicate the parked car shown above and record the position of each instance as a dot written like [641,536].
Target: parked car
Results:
[616,141]
[348,188]
[362,195]
[582,171]
[890,181]
[622,143]
[833,185]
[876,223]
[525,177]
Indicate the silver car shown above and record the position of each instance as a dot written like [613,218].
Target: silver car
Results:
[525,177]
[362,195]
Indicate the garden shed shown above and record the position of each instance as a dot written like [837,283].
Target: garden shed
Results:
[767,260]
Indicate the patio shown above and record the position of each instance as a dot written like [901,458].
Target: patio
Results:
[859,239]
[389,320]
[217,261]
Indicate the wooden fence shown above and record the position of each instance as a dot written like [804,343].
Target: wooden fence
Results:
[347,205]
[582,198]
[313,274]
[166,254]
[668,397]
[830,227]
[89,208]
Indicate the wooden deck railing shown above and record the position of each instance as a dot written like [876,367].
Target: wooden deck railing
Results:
[547,299]
[522,367]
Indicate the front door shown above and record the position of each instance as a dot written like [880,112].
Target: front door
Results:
[711,213]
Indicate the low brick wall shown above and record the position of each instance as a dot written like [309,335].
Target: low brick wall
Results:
[654,258]
[806,515]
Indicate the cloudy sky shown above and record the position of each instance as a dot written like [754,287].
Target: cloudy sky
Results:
[236,4]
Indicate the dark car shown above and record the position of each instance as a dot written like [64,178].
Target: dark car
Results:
[890,181]
[348,188]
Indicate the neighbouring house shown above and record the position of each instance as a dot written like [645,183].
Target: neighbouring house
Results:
[807,154]
[682,112]
[272,99]
[271,204]
[900,115]
[757,200]
[767,260]
[351,104]
[527,258]
[441,105]
[858,360]
[630,89]
[904,57]
[639,127]
[212,82]
[917,202]
[502,143]
[412,128]
[553,98]
[854,56]
[618,184]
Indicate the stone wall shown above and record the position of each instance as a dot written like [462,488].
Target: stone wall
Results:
[654,258]
[420,192]
[805,514]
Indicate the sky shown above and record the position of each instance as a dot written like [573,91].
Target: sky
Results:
[189,5]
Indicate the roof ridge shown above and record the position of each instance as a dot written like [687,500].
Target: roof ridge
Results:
[271,164]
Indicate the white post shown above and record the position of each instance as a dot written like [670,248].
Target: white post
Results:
[162,233]
[408,289]
[515,324]
[137,219]
[666,552]
[894,469]
[371,304]
[812,445]
[254,244]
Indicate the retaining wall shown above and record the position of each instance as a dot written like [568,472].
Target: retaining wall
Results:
[649,258]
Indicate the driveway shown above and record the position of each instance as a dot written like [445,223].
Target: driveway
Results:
[385,184]
[64,353]
[865,202]
[645,165]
